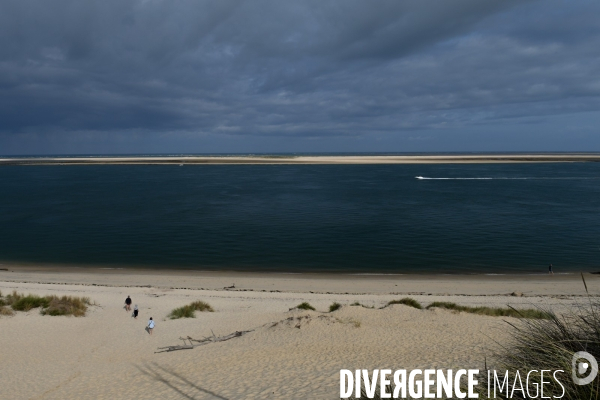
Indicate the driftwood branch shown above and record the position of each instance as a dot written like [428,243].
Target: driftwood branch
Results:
[190,343]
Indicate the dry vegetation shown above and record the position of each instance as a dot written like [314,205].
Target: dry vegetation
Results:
[407,301]
[66,305]
[528,313]
[358,304]
[305,306]
[550,344]
[189,311]
[49,305]
[489,311]
[5,311]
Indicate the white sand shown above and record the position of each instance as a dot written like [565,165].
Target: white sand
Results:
[378,159]
[108,354]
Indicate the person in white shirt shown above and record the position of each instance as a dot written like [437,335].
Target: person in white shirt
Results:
[150,326]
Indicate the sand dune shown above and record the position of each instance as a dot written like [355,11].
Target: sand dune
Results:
[290,354]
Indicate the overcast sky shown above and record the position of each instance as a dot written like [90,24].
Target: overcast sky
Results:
[154,76]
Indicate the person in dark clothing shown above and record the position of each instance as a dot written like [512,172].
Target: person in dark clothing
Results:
[550,270]
[135,311]
[128,304]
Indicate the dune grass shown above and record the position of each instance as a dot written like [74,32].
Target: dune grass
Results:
[407,301]
[529,313]
[189,311]
[201,306]
[13,297]
[5,311]
[50,305]
[539,340]
[66,305]
[549,344]
[305,306]
[334,307]
[20,302]
[182,312]
[357,304]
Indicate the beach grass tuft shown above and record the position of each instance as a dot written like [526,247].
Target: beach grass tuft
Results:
[305,306]
[407,301]
[5,311]
[334,307]
[20,302]
[66,305]
[549,344]
[529,313]
[50,305]
[189,311]
[182,312]
[201,306]
[11,298]
[358,304]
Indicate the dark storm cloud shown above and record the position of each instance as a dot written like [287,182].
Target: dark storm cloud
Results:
[304,68]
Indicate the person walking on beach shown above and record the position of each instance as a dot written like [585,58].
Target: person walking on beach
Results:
[150,326]
[128,304]
[135,312]
[550,272]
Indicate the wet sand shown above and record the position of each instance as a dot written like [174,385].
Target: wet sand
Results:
[540,284]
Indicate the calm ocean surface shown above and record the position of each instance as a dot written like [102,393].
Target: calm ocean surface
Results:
[305,218]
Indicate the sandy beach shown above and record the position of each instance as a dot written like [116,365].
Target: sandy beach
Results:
[240,200]
[405,159]
[287,354]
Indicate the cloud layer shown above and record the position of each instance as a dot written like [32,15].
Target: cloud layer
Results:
[132,71]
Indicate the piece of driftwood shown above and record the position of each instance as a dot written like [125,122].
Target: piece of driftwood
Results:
[190,343]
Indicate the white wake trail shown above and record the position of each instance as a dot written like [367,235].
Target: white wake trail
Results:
[507,178]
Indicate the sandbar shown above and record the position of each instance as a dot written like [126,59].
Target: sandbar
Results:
[346,159]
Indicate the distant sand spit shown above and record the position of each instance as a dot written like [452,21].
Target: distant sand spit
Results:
[289,354]
[416,159]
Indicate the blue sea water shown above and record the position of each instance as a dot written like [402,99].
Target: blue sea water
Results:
[484,218]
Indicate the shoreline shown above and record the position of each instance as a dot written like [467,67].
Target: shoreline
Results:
[315,160]
[327,283]
[160,269]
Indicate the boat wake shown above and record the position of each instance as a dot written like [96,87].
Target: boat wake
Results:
[424,177]
[505,178]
